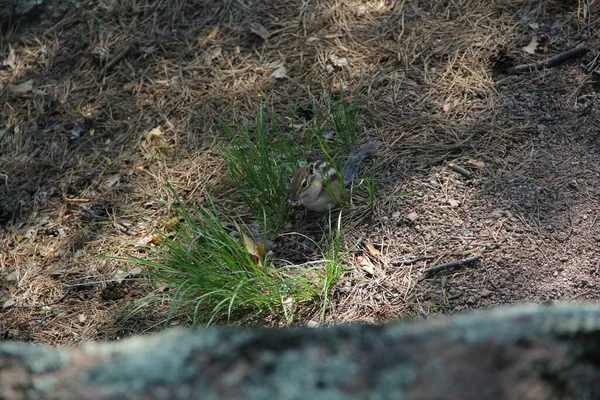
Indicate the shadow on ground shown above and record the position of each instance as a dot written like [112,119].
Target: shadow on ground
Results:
[105,106]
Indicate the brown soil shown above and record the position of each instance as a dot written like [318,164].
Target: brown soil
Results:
[82,176]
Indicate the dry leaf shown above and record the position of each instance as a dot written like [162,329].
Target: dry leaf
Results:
[251,248]
[262,249]
[475,163]
[288,304]
[10,60]
[260,30]
[279,73]
[339,62]
[8,303]
[21,88]
[153,134]
[374,252]
[532,46]
[312,39]
[333,35]
[110,181]
[366,265]
[211,36]
[148,49]
[213,33]
[149,239]
[216,53]
[446,107]
[121,275]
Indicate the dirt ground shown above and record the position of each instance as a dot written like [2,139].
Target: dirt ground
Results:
[105,101]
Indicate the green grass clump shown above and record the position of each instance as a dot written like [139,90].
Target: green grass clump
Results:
[212,277]
[342,118]
[333,264]
[257,167]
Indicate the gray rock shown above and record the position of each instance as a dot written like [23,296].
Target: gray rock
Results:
[527,352]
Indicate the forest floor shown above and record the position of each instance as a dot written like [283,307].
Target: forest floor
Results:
[103,102]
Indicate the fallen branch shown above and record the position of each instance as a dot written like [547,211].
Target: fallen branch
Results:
[458,169]
[410,261]
[454,264]
[121,55]
[549,63]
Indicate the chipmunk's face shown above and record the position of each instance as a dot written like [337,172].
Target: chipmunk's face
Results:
[305,182]
[316,187]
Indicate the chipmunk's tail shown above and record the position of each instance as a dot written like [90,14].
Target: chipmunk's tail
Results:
[353,162]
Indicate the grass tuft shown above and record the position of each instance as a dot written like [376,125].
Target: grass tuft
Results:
[212,276]
[257,167]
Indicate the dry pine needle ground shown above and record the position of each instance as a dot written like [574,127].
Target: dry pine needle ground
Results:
[105,102]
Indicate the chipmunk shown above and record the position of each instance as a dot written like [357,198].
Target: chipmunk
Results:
[318,186]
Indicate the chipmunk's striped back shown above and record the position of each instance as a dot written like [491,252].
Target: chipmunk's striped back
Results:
[317,186]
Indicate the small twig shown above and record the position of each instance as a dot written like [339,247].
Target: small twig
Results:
[121,55]
[143,11]
[458,146]
[410,261]
[581,295]
[570,233]
[592,65]
[464,172]
[456,296]
[510,228]
[41,319]
[549,63]
[449,265]
[43,305]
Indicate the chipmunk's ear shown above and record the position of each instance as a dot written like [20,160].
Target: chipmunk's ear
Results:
[300,164]
[311,168]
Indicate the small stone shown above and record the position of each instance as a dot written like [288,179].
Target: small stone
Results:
[497,213]
[9,303]
[454,203]
[555,273]
[396,214]
[486,293]
[413,216]
[312,324]
[541,128]
[13,276]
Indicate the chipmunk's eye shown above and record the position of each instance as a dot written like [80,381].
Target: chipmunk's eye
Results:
[304,183]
